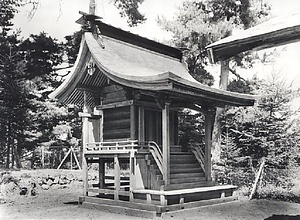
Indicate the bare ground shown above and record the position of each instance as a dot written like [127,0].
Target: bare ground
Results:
[61,203]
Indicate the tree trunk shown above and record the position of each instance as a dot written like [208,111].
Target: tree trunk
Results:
[17,155]
[12,154]
[8,144]
[7,155]
[32,159]
[216,147]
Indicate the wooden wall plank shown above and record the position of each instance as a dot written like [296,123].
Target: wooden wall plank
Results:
[116,123]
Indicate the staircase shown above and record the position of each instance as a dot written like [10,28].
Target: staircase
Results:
[185,172]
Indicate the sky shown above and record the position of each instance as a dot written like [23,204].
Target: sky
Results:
[57,18]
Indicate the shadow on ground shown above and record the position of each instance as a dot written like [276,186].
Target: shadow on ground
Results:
[283,217]
[71,203]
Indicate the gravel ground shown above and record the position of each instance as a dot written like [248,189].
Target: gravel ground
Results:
[60,202]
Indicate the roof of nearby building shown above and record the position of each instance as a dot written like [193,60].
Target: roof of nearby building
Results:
[139,63]
[274,32]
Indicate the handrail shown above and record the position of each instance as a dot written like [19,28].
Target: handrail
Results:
[106,147]
[157,154]
[199,154]
[126,146]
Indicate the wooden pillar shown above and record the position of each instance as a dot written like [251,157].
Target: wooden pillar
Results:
[141,123]
[166,143]
[133,125]
[84,140]
[132,162]
[85,124]
[224,74]
[172,129]
[85,176]
[209,121]
[101,174]
[176,129]
[117,182]
[101,125]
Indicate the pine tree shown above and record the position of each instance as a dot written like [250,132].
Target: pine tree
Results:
[262,131]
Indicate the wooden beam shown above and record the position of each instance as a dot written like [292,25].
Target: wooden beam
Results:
[101,173]
[209,119]
[166,142]
[115,105]
[107,191]
[257,178]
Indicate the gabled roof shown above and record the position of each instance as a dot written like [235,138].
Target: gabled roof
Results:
[274,32]
[138,63]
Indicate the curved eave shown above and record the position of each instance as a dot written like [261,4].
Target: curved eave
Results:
[145,78]
[215,97]
[171,82]
[274,32]
[70,83]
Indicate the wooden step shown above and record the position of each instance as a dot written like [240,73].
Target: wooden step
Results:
[186,175]
[189,185]
[184,156]
[183,161]
[187,180]
[184,166]
[181,153]
[184,170]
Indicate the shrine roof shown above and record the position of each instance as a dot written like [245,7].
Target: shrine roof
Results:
[273,32]
[138,63]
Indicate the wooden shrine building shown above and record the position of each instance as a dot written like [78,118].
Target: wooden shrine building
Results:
[131,89]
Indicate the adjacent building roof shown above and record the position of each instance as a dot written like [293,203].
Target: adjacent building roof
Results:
[139,63]
[274,32]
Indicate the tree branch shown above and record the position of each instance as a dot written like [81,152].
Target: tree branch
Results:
[236,74]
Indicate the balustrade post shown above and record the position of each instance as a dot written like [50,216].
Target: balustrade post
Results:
[117,177]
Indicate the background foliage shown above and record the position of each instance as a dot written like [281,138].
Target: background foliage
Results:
[270,129]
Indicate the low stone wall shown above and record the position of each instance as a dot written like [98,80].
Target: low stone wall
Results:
[33,182]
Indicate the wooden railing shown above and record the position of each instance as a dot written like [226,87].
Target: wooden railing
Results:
[111,147]
[199,154]
[126,147]
[157,154]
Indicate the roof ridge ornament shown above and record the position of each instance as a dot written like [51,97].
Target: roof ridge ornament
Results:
[88,24]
